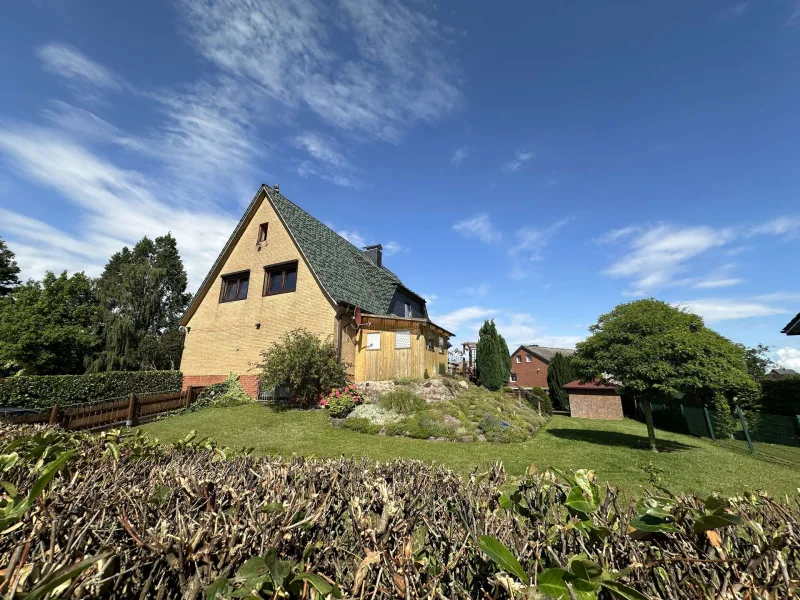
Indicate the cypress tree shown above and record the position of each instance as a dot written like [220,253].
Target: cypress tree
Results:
[560,372]
[493,363]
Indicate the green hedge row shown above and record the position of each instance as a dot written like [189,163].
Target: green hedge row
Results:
[781,397]
[45,390]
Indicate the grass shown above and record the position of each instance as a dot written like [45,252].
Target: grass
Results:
[614,449]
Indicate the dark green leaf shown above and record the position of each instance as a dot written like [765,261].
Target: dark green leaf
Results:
[322,586]
[216,588]
[552,583]
[623,592]
[273,507]
[652,524]
[502,557]
[583,568]
[714,521]
[253,567]
[55,579]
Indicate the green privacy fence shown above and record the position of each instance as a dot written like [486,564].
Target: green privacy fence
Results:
[773,437]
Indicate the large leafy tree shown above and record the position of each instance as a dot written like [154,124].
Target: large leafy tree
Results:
[658,352]
[8,270]
[559,373]
[143,293]
[47,327]
[493,362]
[758,361]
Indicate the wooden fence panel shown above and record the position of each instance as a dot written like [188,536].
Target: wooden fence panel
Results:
[94,415]
[161,403]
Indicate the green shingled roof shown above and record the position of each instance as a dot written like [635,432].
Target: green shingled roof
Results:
[342,268]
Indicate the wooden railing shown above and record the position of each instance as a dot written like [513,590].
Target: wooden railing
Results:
[103,414]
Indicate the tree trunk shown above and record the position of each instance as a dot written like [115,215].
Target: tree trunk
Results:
[651,430]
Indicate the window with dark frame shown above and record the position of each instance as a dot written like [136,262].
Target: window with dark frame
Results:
[514,377]
[262,233]
[234,286]
[408,312]
[280,279]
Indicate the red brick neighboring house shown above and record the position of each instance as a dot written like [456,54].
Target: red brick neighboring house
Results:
[594,400]
[529,365]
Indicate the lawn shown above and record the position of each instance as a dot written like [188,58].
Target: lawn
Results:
[616,450]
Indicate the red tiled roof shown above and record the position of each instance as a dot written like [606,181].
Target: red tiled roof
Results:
[589,385]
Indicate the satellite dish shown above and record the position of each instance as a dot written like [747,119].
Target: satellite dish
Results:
[357,317]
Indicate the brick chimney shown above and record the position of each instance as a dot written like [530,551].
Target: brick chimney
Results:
[375,254]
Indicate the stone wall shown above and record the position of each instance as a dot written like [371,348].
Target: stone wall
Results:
[595,406]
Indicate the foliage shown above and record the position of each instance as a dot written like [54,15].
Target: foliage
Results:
[426,375]
[304,362]
[341,401]
[537,398]
[143,295]
[161,351]
[781,396]
[560,373]
[442,369]
[226,393]
[375,414]
[8,270]
[493,361]
[402,400]
[656,351]
[758,361]
[559,534]
[361,424]
[47,328]
[67,390]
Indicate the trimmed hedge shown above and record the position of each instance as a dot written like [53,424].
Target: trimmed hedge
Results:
[42,391]
[782,396]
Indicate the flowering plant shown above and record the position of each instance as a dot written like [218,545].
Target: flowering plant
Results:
[341,401]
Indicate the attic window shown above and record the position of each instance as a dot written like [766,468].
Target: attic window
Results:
[280,279]
[408,312]
[527,358]
[262,233]
[519,358]
[234,286]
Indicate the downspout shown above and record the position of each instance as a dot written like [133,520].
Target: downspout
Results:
[340,312]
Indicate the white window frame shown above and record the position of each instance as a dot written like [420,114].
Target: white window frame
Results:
[396,339]
[370,341]
[513,378]
[527,358]
[441,345]
[519,359]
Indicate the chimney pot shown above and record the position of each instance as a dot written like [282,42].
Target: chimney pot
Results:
[277,187]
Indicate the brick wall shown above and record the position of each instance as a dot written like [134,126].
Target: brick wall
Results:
[248,382]
[529,374]
[595,405]
[223,337]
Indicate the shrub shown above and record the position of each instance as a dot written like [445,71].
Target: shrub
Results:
[226,393]
[361,425]
[304,362]
[341,406]
[781,396]
[442,369]
[426,375]
[402,400]
[42,391]
[537,397]
[375,414]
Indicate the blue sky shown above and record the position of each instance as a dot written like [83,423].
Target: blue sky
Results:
[532,162]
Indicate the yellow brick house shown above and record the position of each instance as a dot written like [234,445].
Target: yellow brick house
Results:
[282,270]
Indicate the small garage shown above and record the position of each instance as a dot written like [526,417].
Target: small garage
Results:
[594,400]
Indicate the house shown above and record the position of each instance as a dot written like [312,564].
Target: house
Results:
[776,374]
[470,353]
[793,326]
[529,364]
[282,270]
[594,400]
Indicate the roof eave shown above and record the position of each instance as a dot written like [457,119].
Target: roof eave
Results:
[793,327]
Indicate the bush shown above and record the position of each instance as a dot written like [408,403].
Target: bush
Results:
[442,369]
[305,363]
[402,400]
[782,396]
[341,406]
[537,397]
[375,414]
[227,393]
[42,391]
[361,425]
[426,375]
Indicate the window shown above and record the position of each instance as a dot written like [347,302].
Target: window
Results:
[441,345]
[430,343]
[407,311]
[519,358]
[527,358]
[280,279]
[514,378]
[234,286]
[262,233]
[374,341]
[402,339]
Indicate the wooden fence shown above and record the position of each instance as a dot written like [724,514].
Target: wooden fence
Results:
[103,414]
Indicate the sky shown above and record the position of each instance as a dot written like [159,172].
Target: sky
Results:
[534,162]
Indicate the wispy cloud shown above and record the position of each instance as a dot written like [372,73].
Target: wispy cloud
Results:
[794,17]
[459,155]
[391,247]
[782,226]
[353,237]
[68,62]
[734,11]
[326,160]
[531,242]
[717,283]
[394,74]
[615,235]
[478,227]
[518,162]
[478,291]
[779,297]
[723,309]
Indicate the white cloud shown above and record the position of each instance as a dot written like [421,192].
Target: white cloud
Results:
[68,62]
[353,237]
[430,298]
[786,225]
[393,74]
[616,235]
[478,227]
[532,241]
[655,256]
[457,319]
[788,358]
[734,11]
[722,309]
[391,247]
[459,155]
[779,297]
[478,291]
[518,162]
[717,283]
[328,162]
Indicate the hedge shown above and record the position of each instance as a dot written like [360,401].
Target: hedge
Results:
[42,391]
[782,396]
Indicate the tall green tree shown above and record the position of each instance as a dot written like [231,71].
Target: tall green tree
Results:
[47,327]
[758,361]
[659,352]
[8,270]
[493,363]
[143,294]
[559,373]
